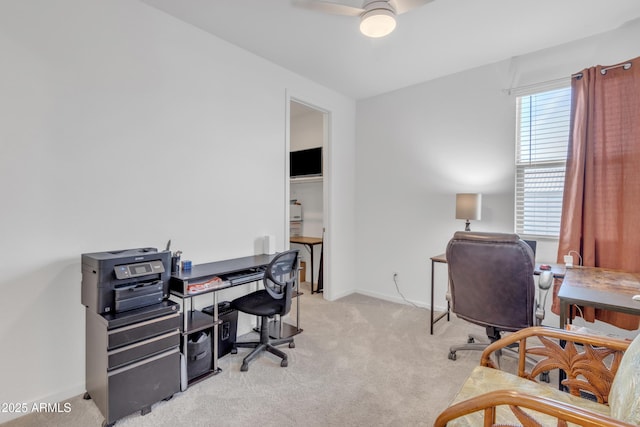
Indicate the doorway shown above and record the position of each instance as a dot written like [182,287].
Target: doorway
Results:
[307,189]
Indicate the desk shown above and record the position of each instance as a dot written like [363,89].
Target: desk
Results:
[599,288]
[558,271]
[309,243]
[194,320]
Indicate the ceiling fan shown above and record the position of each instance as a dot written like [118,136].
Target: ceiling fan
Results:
[377,17]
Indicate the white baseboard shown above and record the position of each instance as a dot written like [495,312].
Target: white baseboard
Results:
[396,299]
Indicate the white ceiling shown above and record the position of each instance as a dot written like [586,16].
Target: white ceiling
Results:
[439,38]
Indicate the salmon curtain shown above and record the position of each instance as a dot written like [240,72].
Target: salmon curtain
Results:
[601,204]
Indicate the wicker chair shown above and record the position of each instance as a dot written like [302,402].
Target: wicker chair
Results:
[601,376]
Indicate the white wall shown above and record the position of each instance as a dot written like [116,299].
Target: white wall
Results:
[309,195]
[124,127]
[307,129]
[418,146]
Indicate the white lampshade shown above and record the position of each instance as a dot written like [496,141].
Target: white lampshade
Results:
[377,23]
[469,207]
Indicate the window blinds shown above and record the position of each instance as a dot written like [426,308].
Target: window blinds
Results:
[541,150]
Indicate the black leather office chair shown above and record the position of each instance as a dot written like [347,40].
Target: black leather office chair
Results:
[491,284]
[280,279]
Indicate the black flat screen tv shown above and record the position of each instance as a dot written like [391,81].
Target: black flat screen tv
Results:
[305,163]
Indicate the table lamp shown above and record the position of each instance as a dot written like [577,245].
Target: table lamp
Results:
[468,207]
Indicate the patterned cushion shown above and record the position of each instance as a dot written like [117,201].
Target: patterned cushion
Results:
[483,380]
[624,396]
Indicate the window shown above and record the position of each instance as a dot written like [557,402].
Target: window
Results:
[542,135]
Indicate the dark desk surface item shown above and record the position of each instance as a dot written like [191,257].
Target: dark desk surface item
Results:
[558,270]
[599,288]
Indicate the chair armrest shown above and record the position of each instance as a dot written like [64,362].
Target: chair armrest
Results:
[489,402]
[589,361]
[545,280]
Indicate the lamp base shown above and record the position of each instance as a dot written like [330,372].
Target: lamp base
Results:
[467,226]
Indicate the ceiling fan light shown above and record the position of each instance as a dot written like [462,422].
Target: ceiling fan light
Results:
[377,23]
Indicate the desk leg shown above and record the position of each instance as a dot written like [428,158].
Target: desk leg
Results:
[216,322]
[298,314]
[185,321]
[288,330]
[320,267]
[311,252]
[298,330]
[309,247]
[562,375]
[448,312]
[432,285]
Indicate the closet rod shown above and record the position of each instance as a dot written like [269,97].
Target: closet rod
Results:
[604,70]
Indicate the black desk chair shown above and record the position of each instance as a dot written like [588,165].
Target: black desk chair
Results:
[280,279]
[491,284]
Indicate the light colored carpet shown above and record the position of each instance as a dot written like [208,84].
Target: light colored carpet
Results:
[359,362]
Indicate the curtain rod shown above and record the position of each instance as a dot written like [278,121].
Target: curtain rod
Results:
[559,82]
[604,70]
[535,87]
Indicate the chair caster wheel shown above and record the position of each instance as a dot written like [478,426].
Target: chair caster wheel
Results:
[452,355]
[86,396]
[292,345]
[284,363]
[545,377]
[470,340]
[244,367]
[234,351]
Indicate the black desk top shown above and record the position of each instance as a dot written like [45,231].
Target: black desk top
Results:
[220,268]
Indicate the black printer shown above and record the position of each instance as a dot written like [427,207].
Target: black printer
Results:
[118,281]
